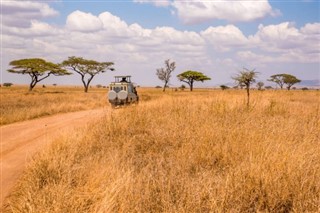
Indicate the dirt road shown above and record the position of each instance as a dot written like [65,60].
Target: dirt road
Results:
[19,141]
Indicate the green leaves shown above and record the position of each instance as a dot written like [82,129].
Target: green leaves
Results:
[190,76]
[38,69]
[282,79]
[36,66]
[85,67]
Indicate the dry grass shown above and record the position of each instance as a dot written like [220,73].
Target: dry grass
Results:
[18,105]
[185,152]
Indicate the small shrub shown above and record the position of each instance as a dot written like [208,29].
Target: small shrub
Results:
[7,84]
[224,87]
[182,87]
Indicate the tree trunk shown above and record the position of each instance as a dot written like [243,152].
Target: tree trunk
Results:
[191,85]
[86,85]
[164,87]
[85,88]
[248,96]
[32,85]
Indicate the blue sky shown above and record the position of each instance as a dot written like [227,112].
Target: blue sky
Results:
[218,38]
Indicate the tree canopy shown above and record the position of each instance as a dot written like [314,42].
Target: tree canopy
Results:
[282,79]
[87,69]
[278,79]
[190,77]
[38,69]
[164,74]
[290,80]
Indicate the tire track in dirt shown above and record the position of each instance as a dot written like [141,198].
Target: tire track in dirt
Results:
[20,141]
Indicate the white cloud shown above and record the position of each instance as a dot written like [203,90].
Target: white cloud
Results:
[173,36]
[19,13]
[298,44]
[84,22]
[158,3]
[193,11]
[225,37]
[136,49]
[311,29]
[36,29]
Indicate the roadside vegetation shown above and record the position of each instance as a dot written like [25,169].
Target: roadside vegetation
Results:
[204,151]
[18,105]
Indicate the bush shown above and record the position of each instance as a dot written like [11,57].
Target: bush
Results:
[224,87]
[182,87]
[7,84]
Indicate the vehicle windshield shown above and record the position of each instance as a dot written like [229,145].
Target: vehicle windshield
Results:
[119,88]
[116,89]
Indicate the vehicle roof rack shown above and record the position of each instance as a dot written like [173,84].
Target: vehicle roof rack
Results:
[122,78]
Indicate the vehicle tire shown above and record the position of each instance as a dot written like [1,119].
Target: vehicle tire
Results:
[112,95]
[122,95]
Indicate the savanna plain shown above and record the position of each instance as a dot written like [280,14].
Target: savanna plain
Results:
[178,151]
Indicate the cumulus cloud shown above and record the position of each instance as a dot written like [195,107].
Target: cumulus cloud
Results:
[84,22]
[19,13]
[105,37]
[191,12]
[36,29]
[311,29]
[298,44]
[225,37]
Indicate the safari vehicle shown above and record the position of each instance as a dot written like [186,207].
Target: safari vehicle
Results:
[122,91]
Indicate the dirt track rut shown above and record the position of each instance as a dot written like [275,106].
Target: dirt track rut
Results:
[19,141]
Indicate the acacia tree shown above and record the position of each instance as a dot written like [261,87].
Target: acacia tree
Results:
[246,78]
[87,69]
[190,77]
[278,79]
[164,74]
[282,79]
[37,68]
[290,80]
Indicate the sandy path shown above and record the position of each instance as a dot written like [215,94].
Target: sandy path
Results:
[19,141]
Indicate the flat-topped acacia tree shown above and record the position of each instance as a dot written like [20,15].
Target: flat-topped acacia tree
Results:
[38,69]
[190,77]
[87,69]
[282,79]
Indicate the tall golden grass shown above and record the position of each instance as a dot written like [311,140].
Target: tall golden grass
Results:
[17,104]
[203,151]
